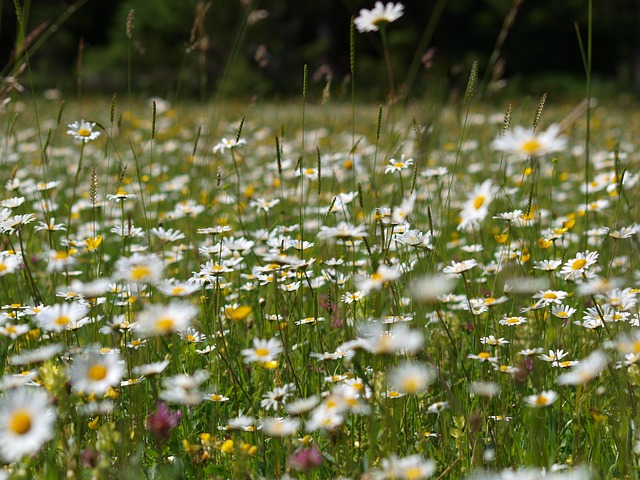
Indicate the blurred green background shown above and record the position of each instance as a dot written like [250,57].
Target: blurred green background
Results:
[242,48]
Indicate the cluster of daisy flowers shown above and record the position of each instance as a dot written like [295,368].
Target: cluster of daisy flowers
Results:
[309,302]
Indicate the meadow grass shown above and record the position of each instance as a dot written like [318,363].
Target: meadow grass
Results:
[310,289]
[332,244]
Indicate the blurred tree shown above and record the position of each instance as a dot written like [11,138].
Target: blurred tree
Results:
[259,46]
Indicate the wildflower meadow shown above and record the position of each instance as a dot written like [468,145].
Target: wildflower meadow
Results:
[314,289]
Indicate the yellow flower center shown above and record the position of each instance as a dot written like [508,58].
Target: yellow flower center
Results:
[97,372]
[541,400]
[550,296]
[262,352]
[562,315]
[413,473]
[478,201]
[61,256]
[578,264]
[393,394]
[411,385]
[20,422]
[3,267]
[513,320]
[484,355]
[62,321]
[83,132]
[164,324]
[531,146]
[376,276]
[139,272]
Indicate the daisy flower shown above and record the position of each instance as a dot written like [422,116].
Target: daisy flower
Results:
[273,399]
[59,260]
[413,467]
[264,350]
[139,268]
[526,143]
[159,319]
[476,207]
[398,165]
[120,195]
[26,423]
[215,397]
[562,311]
[430,288]
[554,355]
[459,267]
[165,236]
[182,389]
[356,296]
[83,131]
[38,355]
[279,427]
[149,369]
[343,231]
[93,372]
[483,357]
[377,279]
[372,20]
[548,297]
[60,317]
[264,204]
[9,263]
[172,288]
[493,341]
[587,369]
[512,321]
[393,393]
[302,405]
[575,267]
[412,378]
[230,144]
[437,407]
[542,399]
[547,265]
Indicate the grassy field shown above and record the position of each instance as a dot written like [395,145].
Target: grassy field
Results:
[310,289]
[307,291]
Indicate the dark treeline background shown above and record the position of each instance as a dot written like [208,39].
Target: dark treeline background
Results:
[259,47]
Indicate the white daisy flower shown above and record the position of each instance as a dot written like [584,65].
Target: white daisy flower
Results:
[83,131]
[59,317]
[372,20]
[542,399]
[157,319]
[26,422]
[264,350]
[526,143]
[139,268]
[93,372]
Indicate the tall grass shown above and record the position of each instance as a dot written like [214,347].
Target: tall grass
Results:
[320,294]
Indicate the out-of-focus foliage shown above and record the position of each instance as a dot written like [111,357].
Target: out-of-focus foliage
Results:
[259,47]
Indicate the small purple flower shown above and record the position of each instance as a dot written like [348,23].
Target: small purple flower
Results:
[163,421]
[306,459]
